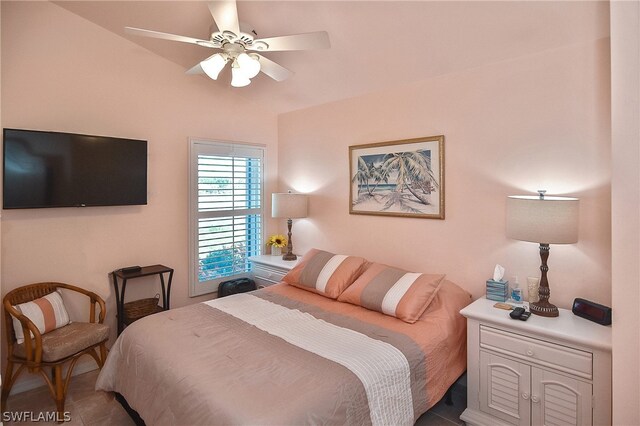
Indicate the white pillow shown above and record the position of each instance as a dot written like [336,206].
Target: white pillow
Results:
[47,313]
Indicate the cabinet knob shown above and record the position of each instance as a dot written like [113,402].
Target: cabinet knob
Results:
[530,352]
[525,395]
[535,399]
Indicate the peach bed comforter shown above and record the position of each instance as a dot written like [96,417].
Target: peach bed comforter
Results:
[283,355]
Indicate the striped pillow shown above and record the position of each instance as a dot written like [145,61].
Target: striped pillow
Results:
[47,313]
[394,292]
[325,273]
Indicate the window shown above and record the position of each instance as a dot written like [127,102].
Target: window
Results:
[225,212]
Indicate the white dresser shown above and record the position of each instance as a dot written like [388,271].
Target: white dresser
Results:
[268,270]
[543,371]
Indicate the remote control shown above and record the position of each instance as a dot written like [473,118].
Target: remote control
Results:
[130,269]
[515,314]
[525,316]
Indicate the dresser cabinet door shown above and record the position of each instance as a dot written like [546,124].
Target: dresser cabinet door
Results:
[559,400]
[505,389]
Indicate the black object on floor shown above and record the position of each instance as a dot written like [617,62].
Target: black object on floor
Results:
[240,285]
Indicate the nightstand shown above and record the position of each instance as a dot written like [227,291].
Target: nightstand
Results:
[534,372]
[268,270]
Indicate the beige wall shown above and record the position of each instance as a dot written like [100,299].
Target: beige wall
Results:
[61,72]
[625,120]
[512,127]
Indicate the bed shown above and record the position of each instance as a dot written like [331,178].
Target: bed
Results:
[284,355]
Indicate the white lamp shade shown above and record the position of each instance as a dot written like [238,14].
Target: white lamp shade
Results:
[552,220]
[238,78]
[213,65]
[288,205]
[249,65]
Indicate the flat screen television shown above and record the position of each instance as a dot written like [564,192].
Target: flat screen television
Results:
[53,169]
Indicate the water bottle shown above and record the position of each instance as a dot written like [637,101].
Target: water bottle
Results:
[516,292]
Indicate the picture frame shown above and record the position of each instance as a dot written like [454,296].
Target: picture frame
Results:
[398,178]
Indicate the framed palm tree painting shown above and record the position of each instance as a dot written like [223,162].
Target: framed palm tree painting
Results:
[398,178]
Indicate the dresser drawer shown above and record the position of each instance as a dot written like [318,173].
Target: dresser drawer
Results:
[536,351]
[262,283]
[268,274]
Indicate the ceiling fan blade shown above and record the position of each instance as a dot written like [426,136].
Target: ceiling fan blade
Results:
[306,41]
[195,70]
[273,70]
[172,37]
[225,14]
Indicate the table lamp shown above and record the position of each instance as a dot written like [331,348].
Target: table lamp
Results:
[543,220]
[291,206]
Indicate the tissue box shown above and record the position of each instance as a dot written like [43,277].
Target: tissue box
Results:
[497,290]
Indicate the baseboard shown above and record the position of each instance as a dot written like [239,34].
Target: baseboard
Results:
[28,381]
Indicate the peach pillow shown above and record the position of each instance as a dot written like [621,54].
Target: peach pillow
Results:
[394,292]
[325,273]
[46,313]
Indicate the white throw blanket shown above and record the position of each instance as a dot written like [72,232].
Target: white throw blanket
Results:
[382,368]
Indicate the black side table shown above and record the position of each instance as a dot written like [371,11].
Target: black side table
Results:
[146,271]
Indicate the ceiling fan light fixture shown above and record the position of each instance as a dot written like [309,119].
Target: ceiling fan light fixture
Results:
[214,65]
[249,65]
[236,40]
[239,78]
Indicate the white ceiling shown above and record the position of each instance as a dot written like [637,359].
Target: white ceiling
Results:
[375,45]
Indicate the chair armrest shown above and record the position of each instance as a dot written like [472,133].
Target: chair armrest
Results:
[103,309]
[33,347]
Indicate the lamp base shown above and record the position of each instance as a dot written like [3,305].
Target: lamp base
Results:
[544,309]
[289,256]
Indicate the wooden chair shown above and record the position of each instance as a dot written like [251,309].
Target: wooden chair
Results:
[55,348]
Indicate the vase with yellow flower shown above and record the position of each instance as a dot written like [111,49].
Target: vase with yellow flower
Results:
[276,242]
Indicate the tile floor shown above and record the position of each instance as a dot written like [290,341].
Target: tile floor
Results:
[446,415]
[90,407]
[85,405]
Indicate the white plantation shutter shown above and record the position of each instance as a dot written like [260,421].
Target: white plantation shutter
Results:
[226,211]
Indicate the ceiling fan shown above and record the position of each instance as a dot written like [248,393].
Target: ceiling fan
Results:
[238,45]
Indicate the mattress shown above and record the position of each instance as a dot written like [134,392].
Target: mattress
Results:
[283,355]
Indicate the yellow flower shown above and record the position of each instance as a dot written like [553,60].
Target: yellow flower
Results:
[277,241]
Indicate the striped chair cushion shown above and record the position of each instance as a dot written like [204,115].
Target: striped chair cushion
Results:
[325,273]
[47,313]
[394,292]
